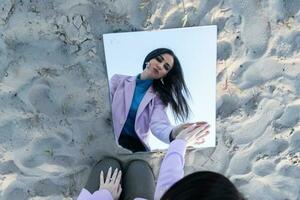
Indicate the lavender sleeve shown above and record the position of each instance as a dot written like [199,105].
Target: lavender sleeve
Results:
[160,124]
[101,194]
[112,86]
[171,169]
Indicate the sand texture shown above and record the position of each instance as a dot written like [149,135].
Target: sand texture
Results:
[55,120]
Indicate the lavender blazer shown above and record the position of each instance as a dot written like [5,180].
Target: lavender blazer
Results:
[150,114]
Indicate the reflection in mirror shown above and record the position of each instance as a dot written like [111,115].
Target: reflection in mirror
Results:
[161,83]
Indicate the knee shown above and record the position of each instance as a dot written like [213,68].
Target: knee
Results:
[138,164]
[105,163]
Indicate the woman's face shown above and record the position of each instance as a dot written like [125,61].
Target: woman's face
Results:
[160,66]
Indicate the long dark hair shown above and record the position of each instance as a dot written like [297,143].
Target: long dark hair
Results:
[173,89]
[203,185]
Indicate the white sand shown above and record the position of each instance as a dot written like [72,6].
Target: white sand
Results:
[54,114]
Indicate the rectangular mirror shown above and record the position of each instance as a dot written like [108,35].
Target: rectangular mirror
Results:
[139,87]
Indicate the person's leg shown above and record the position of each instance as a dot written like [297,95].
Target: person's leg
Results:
[138,181]
[93,182]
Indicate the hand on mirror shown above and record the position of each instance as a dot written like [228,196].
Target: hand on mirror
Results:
[194,134]
[112,182]
[177,129]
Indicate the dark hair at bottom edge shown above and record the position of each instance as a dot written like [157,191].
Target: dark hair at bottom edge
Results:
[204,185]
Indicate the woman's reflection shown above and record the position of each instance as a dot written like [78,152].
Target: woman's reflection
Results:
[139,102]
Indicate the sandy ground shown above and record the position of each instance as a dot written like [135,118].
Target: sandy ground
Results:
[54,106]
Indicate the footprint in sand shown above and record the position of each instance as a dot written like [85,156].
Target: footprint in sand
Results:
[255,31]
[292,7]
[263,167]
[41,152]
[16,190]
[224,50]
[271,187]
[290,116]
[39,96]
[259,150]
[8,167]
[295,141]
[286,46]
[46,187]
[286,169]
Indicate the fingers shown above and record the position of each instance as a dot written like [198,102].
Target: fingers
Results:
[201,123]
[114,176]
[118,179]
[188,131]
[198,130]
[202,130]
[199,133]
[107,180]
[204,126]
[119,191]
[191,128]
[200,141]
[101,178]
[187,125]
[202,135]
[197,123]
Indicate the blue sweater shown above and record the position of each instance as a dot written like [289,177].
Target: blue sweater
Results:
[139,92]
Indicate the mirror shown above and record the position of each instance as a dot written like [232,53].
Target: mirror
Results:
[138,97]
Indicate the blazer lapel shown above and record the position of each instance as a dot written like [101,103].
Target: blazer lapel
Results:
[129,90]
[150,94]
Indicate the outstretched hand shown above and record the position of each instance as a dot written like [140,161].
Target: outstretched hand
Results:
[194,133]
[177,129]
[112,182]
